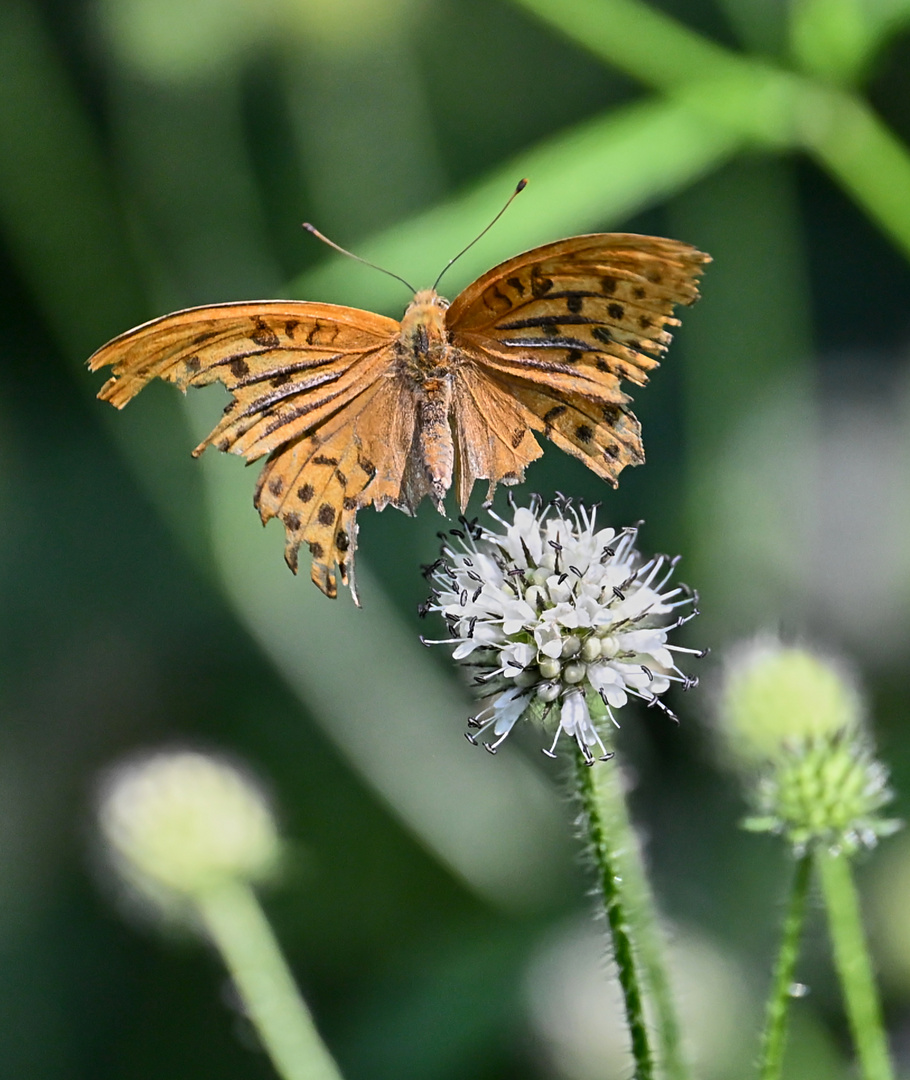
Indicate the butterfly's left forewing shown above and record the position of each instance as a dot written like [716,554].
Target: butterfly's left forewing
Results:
[301,377]
[559,327]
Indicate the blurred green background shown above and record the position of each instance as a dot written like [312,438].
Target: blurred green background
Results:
[156,154]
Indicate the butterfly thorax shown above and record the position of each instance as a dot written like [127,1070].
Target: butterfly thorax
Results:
[423,345]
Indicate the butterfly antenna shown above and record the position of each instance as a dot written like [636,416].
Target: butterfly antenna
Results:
[312,229]
[522,184]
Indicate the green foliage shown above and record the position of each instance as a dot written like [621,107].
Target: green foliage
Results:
[159,155]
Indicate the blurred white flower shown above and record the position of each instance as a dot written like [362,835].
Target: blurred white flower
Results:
[554,613]
[575,1008]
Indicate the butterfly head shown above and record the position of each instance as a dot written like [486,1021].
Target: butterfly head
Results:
[428,299]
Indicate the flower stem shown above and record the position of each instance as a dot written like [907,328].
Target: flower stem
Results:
[610,882]
[854,967]
[239,930]
[775,1033]
[643,920]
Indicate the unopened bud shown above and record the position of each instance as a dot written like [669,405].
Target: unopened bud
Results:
[184,822]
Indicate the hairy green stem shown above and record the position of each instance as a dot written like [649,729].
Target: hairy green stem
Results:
[854,967]
[775,1033]
[604,851]
[240,931]
[643,920]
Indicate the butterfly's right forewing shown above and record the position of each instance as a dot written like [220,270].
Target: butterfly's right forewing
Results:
[559,327]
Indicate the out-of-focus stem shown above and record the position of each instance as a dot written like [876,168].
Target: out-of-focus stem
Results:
[240,931]
[854,968]
[863,155]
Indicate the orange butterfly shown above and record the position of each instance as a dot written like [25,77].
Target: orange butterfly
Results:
[355,408]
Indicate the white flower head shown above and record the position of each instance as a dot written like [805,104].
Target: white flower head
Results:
[553,615]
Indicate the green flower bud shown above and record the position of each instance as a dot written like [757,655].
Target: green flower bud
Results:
[793,722]
[775,694]
[182,823]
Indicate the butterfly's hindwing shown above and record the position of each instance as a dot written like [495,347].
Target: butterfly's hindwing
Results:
[493,440]
[606,437]
[313,485]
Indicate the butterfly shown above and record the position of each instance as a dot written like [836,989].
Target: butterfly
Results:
[352,409]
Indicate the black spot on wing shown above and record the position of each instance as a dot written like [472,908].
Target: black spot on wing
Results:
[540,284]
[265,336]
